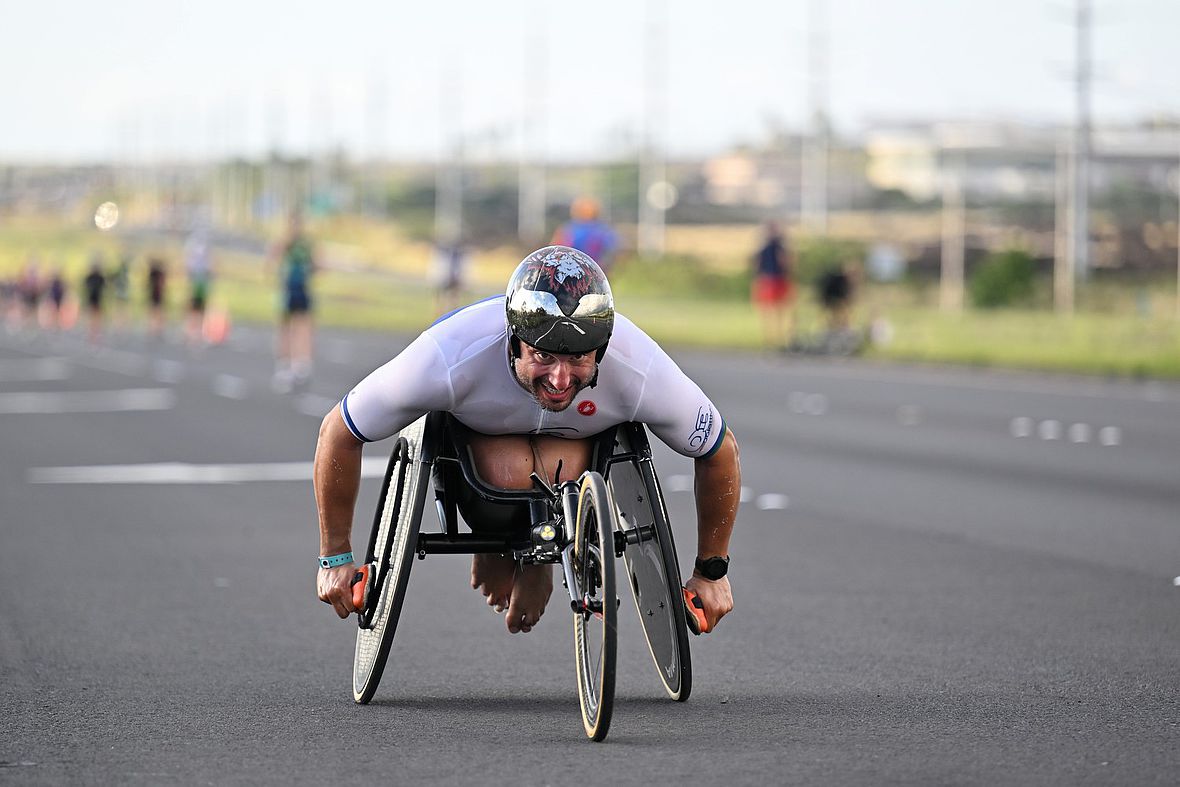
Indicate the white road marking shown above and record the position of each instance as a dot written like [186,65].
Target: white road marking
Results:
[816,404]
[805,403]
[771,502]
[167,371]
[183,473]
[909,415]
[679,483]
[317,406]
[1079,433]
[1082,387]
[34,370]
[119,361]
[1110,435]
[1176,582]
[1049,430]
[230,387]
[1021,426]
[745,495]
[127,400]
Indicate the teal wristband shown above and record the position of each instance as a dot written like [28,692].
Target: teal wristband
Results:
[331,561]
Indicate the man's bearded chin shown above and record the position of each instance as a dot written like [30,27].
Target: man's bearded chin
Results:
[540,388]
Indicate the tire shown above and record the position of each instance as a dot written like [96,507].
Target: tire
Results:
[652,569]
[392,542]
[596,626]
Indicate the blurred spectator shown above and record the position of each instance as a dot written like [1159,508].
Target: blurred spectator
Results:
[198,264]
[29,288]
[835,289]
[94,285]
[296,258]
[449,275]
[56,290]
[772,290]
[9,308]
[836,292]
[120,281]
[586,233]
[156,280]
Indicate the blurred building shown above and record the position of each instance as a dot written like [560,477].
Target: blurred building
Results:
[1011,161]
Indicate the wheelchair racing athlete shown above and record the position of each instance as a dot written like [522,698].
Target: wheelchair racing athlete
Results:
[533,375]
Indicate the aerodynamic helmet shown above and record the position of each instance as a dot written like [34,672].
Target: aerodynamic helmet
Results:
[558,300]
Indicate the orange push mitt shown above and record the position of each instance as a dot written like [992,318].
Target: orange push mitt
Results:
[360,587]
[695,613]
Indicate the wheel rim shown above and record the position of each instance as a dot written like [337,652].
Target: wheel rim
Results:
[595,630]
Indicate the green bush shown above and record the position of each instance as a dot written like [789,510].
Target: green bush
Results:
[817,255]
[677,275]
[1003,279]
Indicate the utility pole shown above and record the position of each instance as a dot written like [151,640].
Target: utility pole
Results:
[1079,169]
[531,196]
[448,175]
[1063,273]
[950,291]
[652,169]
[375,117]
[814,171]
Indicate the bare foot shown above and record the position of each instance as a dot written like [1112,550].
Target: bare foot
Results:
[494,575]
[534,584]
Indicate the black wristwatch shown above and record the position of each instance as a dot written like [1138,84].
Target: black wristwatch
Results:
[713,568]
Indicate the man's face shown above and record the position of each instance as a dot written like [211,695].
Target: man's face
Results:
[553,379]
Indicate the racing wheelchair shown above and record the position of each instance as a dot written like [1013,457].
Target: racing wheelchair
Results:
[616,509]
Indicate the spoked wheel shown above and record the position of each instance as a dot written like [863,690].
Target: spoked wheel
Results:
[652,570]
[596,608]
[391,551]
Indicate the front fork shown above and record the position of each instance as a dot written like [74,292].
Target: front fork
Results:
[568,494]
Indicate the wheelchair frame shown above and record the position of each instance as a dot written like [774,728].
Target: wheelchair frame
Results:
[627,506]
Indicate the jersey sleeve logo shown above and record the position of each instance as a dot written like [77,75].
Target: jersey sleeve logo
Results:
[587,407]
[704,427]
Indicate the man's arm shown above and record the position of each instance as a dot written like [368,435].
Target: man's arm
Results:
[718,489]
[337,478]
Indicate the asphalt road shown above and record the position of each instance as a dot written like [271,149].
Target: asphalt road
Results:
[942,577]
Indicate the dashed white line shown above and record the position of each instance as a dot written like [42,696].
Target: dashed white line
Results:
[804,403]
[167,371]
[21,370]
[1049,430]
[230,387]
[679,483]
[1021,426]
[1079,433]
[1110,435]
[318,406]
[771,502]
[909,415]
[182,473]
[47,402]
[119,361]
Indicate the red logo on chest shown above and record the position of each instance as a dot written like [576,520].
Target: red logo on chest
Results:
[587,407]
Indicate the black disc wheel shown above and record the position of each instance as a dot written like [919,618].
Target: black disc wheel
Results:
[391,551]
[596,606]
[652,571]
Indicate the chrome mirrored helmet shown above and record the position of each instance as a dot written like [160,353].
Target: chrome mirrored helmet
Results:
[558,300]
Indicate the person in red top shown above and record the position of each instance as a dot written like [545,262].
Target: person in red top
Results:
[772,291]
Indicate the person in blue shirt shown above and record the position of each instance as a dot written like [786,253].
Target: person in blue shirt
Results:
[587,233]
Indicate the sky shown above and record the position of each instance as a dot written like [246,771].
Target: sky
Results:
[142,80]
